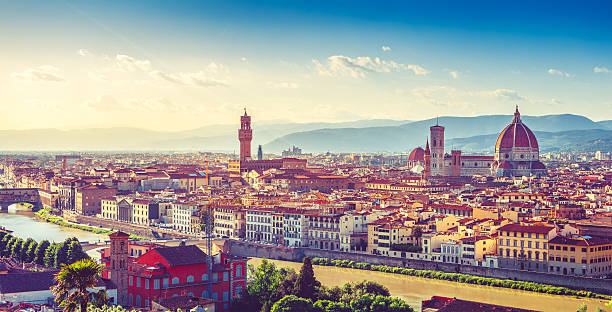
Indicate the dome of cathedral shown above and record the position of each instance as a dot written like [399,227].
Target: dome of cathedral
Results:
[417,154]
[516,134]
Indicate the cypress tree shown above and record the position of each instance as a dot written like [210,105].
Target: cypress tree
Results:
[39,253]
[31,251]
[49,259]
[16,249]
[4,242]
[306,283]
[6,252]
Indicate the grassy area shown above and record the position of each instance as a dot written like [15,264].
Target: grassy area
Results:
[45,215]
[462,278]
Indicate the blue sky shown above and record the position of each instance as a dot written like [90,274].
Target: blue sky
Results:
[177,64]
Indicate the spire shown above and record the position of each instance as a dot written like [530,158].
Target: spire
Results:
[245,113]
[517,115]
[427,145]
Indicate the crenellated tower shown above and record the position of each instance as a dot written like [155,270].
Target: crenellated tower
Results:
[245,134]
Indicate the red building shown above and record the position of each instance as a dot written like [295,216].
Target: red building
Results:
[168,272]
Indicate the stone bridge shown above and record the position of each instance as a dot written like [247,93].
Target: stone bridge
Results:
[9,196]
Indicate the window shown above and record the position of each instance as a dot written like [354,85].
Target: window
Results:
[138,282]
[156,284]
[238,270]
[215,277]
[238,290]
[146,283]
[225,276]
[190,294]
[131,281]
[215,296]
[146,302]
[175,280]
[190,279]
[166,282]
[138,301]
[205,294]
[225,296]
[131,299]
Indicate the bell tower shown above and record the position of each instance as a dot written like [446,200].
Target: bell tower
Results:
[119,265]
[245,134]
[437,149]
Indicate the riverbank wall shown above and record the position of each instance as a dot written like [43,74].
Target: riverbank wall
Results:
[138,230]
[246,249]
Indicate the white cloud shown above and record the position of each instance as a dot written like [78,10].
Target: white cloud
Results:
[105,103]
[130,64]
[454,74]
[200,78]
[386,48]
[508,95]
[340,65]
[83,52]
[602,70]
[283,85]
[556,72]
[38,74]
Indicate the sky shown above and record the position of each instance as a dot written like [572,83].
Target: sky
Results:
[177,65]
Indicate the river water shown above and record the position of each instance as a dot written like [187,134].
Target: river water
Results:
[415,289]
[24,225]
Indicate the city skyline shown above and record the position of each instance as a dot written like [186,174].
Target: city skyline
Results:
[168,67]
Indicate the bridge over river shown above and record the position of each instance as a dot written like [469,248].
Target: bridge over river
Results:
[9,196]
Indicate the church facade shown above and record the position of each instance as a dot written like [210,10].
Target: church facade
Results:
[516,154]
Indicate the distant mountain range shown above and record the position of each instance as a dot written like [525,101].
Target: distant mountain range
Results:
[479,134]
[471,134]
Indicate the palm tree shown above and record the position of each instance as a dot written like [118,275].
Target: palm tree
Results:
[72,282]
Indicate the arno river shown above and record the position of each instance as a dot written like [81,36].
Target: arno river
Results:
[24,225]
[414,289]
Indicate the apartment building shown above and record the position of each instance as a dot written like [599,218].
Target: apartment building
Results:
[580,255]
[524,247]
[182,211]
[229,221]
[324,231]
[259,225]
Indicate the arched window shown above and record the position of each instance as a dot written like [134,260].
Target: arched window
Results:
[175,295]
[205,294]
[175,280]
[190,279]
[131,299]
[138,301]
[190,294]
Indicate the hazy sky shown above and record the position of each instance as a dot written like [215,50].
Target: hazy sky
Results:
[173,65]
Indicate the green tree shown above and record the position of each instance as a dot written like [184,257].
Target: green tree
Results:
[61,254]
[23,256]
[306,283]
[9,247]
[292,303]
[582,308]
[39,253]
[31,251]
[72,282]
[49,259]
[287,286]
[16,248]
[75,252]
[5,240]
